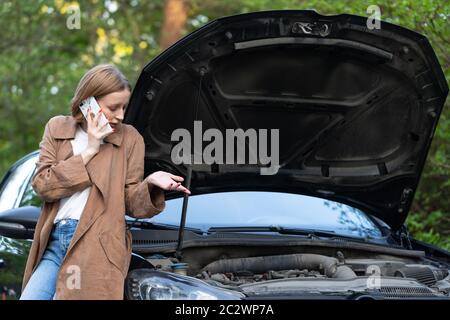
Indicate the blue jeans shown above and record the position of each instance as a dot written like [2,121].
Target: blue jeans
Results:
[42,284]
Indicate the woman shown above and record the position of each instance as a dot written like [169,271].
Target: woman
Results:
[88,180]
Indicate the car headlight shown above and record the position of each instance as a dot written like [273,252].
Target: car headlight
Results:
[147,284]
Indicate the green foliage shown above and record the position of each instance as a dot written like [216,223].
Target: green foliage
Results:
[42,61]
[424,227]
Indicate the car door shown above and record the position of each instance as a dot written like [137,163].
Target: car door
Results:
[16,192]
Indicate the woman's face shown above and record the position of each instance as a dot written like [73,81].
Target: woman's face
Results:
[113,106]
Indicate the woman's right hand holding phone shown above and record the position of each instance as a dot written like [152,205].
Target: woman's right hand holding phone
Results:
[96,133]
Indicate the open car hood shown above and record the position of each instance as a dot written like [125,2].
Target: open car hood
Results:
[356,108]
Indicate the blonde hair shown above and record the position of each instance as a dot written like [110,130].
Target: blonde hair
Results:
[98,81]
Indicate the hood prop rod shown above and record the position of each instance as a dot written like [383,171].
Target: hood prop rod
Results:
[178,254]
[183,213]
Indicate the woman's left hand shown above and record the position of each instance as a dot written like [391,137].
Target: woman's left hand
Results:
[167,181]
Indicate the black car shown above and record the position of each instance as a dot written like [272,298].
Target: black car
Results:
[356,110]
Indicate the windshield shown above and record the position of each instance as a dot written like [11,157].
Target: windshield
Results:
[249,208]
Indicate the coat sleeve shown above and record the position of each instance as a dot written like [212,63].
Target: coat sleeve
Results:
[55,179]
[142,200]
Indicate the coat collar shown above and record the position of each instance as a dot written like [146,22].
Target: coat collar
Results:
[68,126]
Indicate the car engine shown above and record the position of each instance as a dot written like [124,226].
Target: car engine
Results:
[312,275]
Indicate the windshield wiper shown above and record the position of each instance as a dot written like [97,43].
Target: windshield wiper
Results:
[158,226]
[310,233]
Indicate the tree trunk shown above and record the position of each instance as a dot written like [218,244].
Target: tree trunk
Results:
[175,15]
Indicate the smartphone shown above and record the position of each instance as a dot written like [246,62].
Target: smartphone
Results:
[95,109]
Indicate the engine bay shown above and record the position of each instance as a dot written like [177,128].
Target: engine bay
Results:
[258,272]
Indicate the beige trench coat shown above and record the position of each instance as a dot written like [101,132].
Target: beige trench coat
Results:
[98,257]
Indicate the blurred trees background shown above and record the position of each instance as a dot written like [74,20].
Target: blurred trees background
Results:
[43,57]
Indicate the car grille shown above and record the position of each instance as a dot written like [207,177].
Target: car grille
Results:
[406,292]
[143,242]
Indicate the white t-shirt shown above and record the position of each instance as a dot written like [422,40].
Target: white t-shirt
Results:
[72,207]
